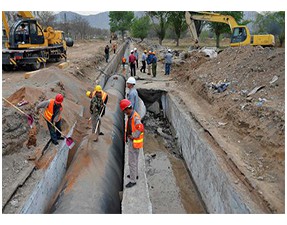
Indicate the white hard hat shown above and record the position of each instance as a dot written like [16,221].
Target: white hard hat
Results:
[135,49]
[169,50]
[132,51]
[131,80]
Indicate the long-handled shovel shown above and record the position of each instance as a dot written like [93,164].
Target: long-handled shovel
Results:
[95,135]
[69,141]
[29,117]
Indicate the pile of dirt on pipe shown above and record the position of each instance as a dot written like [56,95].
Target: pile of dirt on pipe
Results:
[94,178]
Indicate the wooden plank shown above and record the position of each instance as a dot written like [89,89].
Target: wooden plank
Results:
[63,65]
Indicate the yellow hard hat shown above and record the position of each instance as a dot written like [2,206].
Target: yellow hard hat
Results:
[98,88]
[88,93]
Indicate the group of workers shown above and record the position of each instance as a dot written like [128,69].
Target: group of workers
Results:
[107,50]
[134,130]
[149,62]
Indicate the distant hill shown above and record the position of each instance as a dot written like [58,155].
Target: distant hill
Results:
[100,20]
[250,15]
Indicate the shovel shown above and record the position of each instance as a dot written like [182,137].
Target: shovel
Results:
[29,117]
[95,134]
[69,141]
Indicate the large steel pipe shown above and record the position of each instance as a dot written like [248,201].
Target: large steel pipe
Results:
[94,178]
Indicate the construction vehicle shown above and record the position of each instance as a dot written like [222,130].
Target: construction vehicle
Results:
[114,36]
[240,34]
[29,46]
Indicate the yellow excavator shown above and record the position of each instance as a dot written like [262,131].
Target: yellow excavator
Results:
[28,45]
[240,34]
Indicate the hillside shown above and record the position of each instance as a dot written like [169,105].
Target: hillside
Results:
[100,20]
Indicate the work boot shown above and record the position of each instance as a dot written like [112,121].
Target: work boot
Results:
[55,142]
[130,184]
[128,176]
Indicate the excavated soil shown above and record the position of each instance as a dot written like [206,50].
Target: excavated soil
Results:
[246,119]
[249,116]
[23,147]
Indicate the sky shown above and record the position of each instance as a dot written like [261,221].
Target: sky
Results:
[85,6]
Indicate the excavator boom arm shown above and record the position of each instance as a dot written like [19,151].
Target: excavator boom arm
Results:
[191,26]
[214,17]
[5,24]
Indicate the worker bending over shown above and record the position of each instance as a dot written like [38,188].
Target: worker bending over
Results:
[97,107]
[134,135]
[91,94]
[53,109]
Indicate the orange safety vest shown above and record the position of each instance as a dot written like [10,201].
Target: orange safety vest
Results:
[124,60]
[137,142]
[49,111]
[104,95]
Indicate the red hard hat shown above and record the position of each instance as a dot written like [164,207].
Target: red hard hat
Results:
[124,104]
[59,98]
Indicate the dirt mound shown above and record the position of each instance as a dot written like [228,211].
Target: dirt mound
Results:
[245,69]
[248,109]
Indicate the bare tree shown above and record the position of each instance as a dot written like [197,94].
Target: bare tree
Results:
[81,27]
[45,18]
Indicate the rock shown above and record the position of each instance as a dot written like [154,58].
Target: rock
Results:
[249,99]
[164,135]
[260,178]
[221,124]
[15,203]
[155,108]
[274,79]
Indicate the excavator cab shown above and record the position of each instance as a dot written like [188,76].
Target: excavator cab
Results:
[25,34]
[239,35]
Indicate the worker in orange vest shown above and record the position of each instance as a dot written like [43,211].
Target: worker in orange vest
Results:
[134,136]
[53,109]
[124,60]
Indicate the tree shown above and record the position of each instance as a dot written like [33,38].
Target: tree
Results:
[81,27]
[121,21]
[140,27]
[272,23]
[45,18]
[179,25]
[220,28]
[65,25]
[160,23]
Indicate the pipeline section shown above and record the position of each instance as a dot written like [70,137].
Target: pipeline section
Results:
[94,179]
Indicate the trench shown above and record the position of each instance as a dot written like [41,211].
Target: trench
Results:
[217,185]
[183,170]
[171,187]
